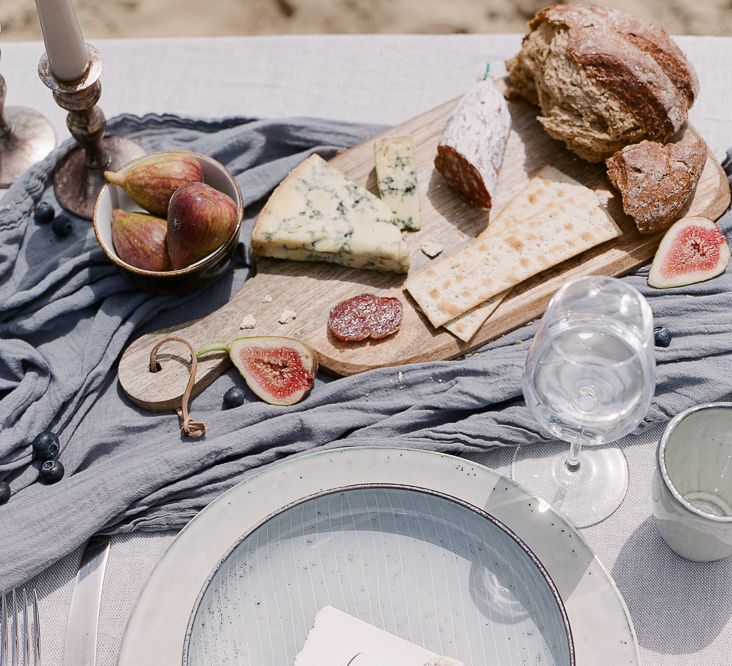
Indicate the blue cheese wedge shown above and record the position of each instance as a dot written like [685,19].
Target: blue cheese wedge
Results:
[338,639]
[317,214]
[396,178]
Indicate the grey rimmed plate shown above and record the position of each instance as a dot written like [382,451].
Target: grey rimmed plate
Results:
[438,550]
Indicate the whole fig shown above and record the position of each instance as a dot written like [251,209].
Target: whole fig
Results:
[200,219]
[151,181]
[140,240]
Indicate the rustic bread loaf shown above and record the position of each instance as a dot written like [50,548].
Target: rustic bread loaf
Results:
[657,181]
[602,79]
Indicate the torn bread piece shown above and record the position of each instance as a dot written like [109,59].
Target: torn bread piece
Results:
[657,181]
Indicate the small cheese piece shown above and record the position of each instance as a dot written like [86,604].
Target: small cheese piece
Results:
[286,316]
[248,321]
[396,178]
[317,214]
[431,249]
[338,639]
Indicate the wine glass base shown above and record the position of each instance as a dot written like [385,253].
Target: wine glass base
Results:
[586,496]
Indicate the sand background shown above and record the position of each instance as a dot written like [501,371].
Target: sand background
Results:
[167,18]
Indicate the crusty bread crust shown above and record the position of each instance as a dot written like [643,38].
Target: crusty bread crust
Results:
[602,78]
[656,181]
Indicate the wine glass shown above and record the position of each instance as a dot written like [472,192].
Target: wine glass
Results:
[589,379]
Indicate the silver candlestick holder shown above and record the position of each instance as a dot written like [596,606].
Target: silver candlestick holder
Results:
[26,137]
[79,175]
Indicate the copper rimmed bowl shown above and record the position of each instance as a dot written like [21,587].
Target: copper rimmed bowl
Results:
[193,277]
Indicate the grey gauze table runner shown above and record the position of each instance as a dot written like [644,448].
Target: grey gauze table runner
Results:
[65,316]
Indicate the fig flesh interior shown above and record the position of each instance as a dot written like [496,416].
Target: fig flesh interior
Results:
[691,251]
[279,370]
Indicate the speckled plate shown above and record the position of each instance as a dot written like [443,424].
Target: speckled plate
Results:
[441,551]
[424,567]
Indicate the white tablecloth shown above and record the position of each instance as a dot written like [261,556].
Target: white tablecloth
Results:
[681,610]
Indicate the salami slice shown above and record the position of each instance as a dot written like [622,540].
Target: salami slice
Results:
[365,316]
[470,153]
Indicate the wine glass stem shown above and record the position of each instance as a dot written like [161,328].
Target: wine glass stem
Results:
[573,459]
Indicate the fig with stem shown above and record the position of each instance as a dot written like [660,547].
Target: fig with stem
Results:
[151,181]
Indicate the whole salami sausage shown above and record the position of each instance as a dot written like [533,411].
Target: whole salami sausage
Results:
[365,316]
[470,153]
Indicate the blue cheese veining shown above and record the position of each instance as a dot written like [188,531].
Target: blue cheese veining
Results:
[396,178]
[317,214]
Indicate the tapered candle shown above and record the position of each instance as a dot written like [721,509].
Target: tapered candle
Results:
[65,47]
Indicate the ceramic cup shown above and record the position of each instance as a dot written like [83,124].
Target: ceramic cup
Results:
[692,486]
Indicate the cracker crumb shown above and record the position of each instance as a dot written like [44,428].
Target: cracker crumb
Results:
[603,196]
[431,249]
[266,298]
[286,316]
[248,321]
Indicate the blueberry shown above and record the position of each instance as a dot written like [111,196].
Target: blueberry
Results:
[62,226]
[662,336]
[52,471]
[234,397]
[46,446]
[4,492]
[43,213]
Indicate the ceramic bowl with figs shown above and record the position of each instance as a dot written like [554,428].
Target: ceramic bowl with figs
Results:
[170,220]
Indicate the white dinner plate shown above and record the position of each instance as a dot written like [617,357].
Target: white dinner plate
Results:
[436,549]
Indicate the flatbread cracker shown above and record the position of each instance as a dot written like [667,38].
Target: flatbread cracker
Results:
[564,227]
[544,188]
[466,325]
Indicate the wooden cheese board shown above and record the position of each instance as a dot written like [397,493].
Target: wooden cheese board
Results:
[311,289]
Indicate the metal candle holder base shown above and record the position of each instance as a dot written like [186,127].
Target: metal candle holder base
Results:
[26,137]
[79,175]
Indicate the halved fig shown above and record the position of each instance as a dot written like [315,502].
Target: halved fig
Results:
[691,251]
[280,370]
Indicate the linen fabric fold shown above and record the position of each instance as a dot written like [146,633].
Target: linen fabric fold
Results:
[66,315]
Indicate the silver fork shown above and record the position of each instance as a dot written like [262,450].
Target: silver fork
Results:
[23,642]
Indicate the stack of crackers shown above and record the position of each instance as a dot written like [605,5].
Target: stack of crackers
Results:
[551,219]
